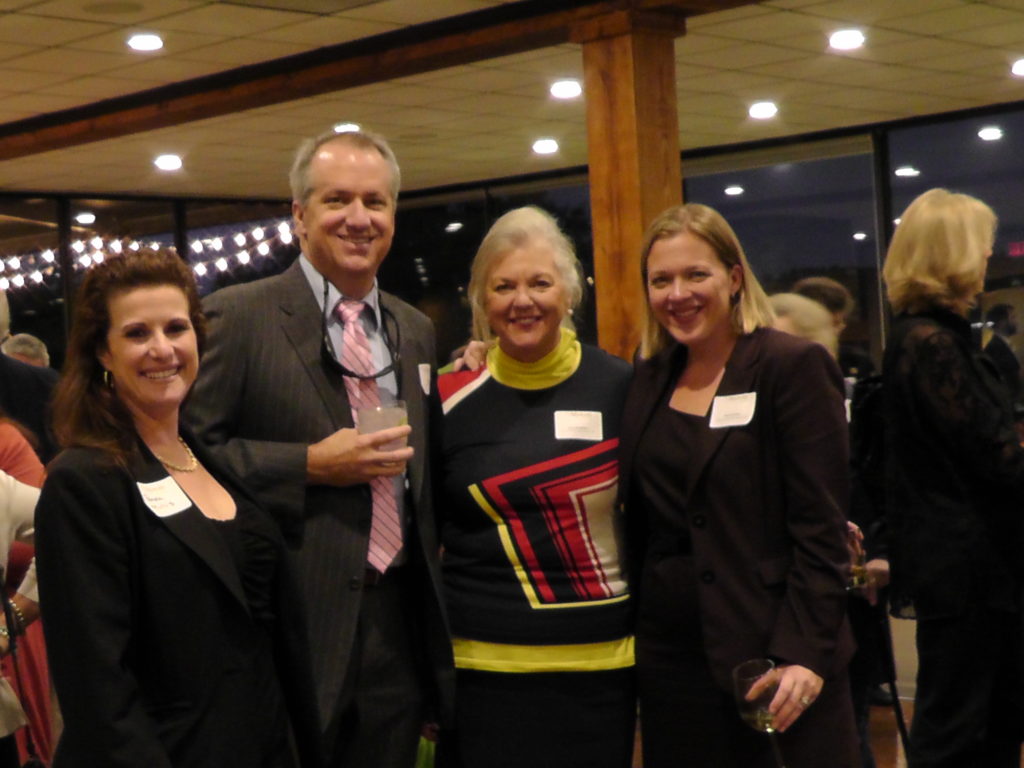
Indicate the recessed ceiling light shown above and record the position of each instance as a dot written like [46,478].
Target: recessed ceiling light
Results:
[545,146]
[734,190]
[763,110]
[86,218]
[1018,68]
[145,42]
[991,133]
[566,89]
[346,127]
[907,170]
[846,39]
[860,236]
[454,226]
[168,162]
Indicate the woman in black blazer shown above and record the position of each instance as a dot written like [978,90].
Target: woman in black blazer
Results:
[733,467]
[173,632]
[955,484]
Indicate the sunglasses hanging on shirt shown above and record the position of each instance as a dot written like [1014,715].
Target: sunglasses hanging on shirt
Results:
[388,321]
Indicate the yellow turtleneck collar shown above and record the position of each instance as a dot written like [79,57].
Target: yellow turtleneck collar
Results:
[554,368]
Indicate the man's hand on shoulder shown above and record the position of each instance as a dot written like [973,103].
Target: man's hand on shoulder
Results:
[349,458]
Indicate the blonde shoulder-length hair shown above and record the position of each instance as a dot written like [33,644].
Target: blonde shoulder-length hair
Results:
[517,229]
[808,319]
[939,252]
[750,309]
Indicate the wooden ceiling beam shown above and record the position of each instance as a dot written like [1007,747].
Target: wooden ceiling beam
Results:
[462,40]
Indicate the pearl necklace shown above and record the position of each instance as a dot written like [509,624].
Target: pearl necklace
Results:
[190,466]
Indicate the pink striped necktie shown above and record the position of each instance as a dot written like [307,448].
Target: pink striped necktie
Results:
[386,528]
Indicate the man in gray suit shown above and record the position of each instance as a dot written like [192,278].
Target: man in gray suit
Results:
[274,398]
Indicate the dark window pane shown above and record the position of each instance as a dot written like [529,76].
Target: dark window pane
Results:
[30,270]
[802,219]
[235,242]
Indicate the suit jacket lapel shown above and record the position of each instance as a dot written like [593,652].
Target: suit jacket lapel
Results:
[299,314]
[739,378]
[652,383]
[194,530]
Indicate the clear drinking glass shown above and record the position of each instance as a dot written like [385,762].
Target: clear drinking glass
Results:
[383,416]
[754,684]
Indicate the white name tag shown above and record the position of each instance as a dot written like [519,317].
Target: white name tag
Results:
[578,425]
[164,497]
[732,410]
[424,369]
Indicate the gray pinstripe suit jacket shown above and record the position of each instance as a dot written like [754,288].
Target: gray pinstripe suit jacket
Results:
[263,395]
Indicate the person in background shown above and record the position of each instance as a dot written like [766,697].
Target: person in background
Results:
[27,348]
[527,465]
[837,299]
[735,479]
[810,320]
[290,359]
[17,507]
[805,318]
[955,477]
[1002,318]
[25,392]
[174,632]
[32,681]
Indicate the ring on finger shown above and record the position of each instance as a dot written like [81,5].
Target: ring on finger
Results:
[805,701]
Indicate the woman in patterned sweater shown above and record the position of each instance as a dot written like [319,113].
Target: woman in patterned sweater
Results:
[535,592]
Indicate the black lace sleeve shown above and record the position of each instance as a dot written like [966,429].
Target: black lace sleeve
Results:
[964,407]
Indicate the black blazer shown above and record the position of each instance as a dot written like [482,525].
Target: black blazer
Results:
[263,395]
[767,510]
[148,627]
[955,472]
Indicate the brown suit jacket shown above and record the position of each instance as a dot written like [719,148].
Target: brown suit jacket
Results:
[767,508]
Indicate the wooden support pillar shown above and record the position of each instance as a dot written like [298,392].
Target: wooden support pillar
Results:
[633,146]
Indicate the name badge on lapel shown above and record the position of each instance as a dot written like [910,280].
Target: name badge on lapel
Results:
[578,425]
[164,497]
[732,410]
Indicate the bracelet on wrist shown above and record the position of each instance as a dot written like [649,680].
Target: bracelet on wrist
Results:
[19,618]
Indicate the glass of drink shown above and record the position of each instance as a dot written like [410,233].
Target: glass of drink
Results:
[754,684]
[858,566]
[384,416]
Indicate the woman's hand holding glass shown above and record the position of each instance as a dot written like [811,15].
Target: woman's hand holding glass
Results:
[798,687]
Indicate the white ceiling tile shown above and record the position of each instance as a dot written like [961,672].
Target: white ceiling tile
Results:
[43,30]
[9,51]
[318,32]
[749,56]
[125,13]
[175,42]
[876,11]
[237,53]
[955,19]
[230,20]
[91,88]
[1010,35]
[165,70]
[20,81]
[407,12]
[64,60]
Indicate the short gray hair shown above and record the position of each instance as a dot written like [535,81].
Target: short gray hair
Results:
[298,177]
[514,230]
[26,345]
